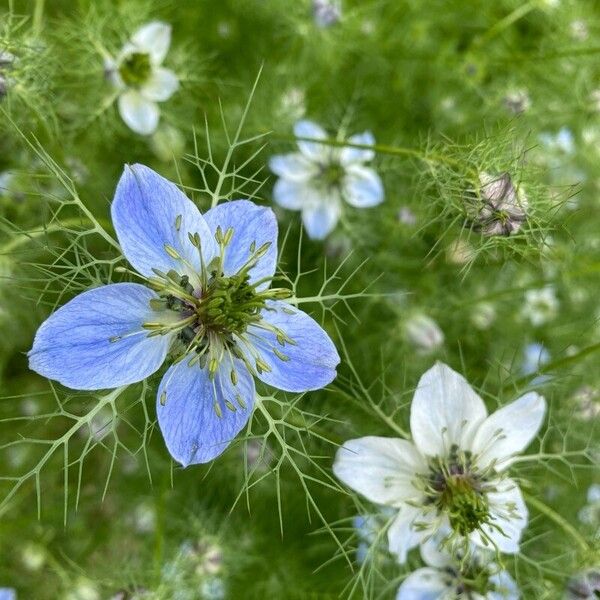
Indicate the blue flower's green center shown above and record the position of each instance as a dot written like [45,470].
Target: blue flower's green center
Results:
[211,317]
[135,69]
[457,490]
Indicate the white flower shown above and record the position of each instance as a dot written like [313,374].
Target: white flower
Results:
[448,576]
[317,179]
[483,315]
[517,101]
[590,513]
[140,79]
[453,473]
[423,333]
[540,306]
[327,12]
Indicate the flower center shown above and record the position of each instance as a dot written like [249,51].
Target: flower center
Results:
[456,489]
[135,69]
[332,175]
[210,317]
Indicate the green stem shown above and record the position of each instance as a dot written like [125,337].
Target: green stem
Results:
[379,149]
[38,16]
[25,237]
[560,521]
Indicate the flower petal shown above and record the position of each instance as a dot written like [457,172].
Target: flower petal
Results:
[74,347]
[445,411]
[308,363]
[320,218]
[505,587]
[312,150]
[425,584]
[252,226]
[140,115]
[402,535]
[191,426]
[162,84]
[357,155]
[509,513]
[295,167]
[146,212]
[433,551]
[153,38]
[362,187]
[508,431]
[293,195]
[381,469]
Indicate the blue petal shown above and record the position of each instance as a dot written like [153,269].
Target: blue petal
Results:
[193,431]
[149,211]
[292,195]
[252,225]
[73,345]
[308,363]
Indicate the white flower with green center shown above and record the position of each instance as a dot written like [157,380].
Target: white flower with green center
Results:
[449,575]
[453,473]
[319,178]
[141,80]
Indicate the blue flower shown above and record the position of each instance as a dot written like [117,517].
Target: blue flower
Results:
[318,178]
[8,594]
[206,303]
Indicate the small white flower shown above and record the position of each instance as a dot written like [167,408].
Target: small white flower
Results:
[517,101]
[540,306]
[483,315]
[579,30]
[423,333]
[453,473]
[590,513]
[318,178]
[448,576]
[327,12]
[140,79]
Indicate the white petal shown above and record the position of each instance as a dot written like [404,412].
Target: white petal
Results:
[320,218]
[293,195]
[445,411]
[153,38]
[509,513]
[163,83]
[425,584]
[313,151]
[139,114]
[358,155]
[362,187]
[402,535]
[381,469]
[434,553]
[505,587]
[508,431]
[295,166]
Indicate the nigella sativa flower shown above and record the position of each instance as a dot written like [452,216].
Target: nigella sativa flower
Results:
[497,207]
[207,303]
[141,80]
[319,178]
[452,475]
[327,12]
[449,575]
